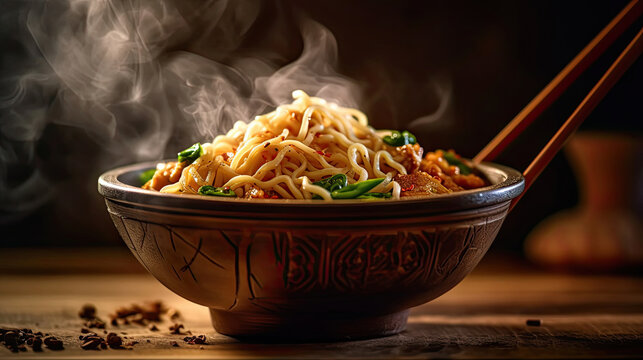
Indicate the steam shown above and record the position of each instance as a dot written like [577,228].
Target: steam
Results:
[314,72]
[211,95]
[142,77]
[443,90]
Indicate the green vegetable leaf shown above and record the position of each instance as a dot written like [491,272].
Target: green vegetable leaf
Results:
[146,176]
[375,195]
[190,154]
[452,159]
[216,191]
[354,190]
[332,183]
[398,138]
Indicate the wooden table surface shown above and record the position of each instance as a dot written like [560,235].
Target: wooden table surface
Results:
[586,316]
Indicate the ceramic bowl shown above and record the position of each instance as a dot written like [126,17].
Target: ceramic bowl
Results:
[307,269]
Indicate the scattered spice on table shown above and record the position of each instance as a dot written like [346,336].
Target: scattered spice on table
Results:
[193,340]
[149,312]
[14,339]
[114,341]
[95,323]
[53,343]
[176,330]
[17,340]
[88,313]
[92,341]
[534,322]
[91,344]
[35,343]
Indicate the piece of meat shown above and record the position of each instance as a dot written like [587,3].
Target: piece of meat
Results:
[419,183]
[435,164]
[435,170]
[165,174]
[470,181]
[253,192]
[410,156]
[227,157]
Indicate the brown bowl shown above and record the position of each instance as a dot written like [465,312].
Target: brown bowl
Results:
[307,269]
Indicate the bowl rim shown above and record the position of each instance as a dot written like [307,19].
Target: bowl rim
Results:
[113,186]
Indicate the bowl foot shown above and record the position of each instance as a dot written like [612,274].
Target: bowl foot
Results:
[311,327]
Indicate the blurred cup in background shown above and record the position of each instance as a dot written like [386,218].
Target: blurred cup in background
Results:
[604,232]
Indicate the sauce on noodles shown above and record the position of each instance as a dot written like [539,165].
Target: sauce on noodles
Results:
[313,149]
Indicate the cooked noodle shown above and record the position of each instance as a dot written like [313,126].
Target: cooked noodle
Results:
[285,151]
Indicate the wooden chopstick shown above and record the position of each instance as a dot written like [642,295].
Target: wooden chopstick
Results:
[562,81]
[598,92]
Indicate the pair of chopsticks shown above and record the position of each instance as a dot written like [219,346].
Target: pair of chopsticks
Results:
[560,83]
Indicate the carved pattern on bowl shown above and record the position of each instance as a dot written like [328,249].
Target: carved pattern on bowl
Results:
[264,266]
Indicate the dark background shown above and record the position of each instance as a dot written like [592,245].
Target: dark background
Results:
[497,56]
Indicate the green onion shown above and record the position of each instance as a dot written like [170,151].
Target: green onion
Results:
[333,183]
[398,138]
[338,187]
[190,154]
[452,159]
[375,195]
[146,176]
[354,190]
[216,191]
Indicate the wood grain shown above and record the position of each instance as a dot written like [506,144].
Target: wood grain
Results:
[483,317]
